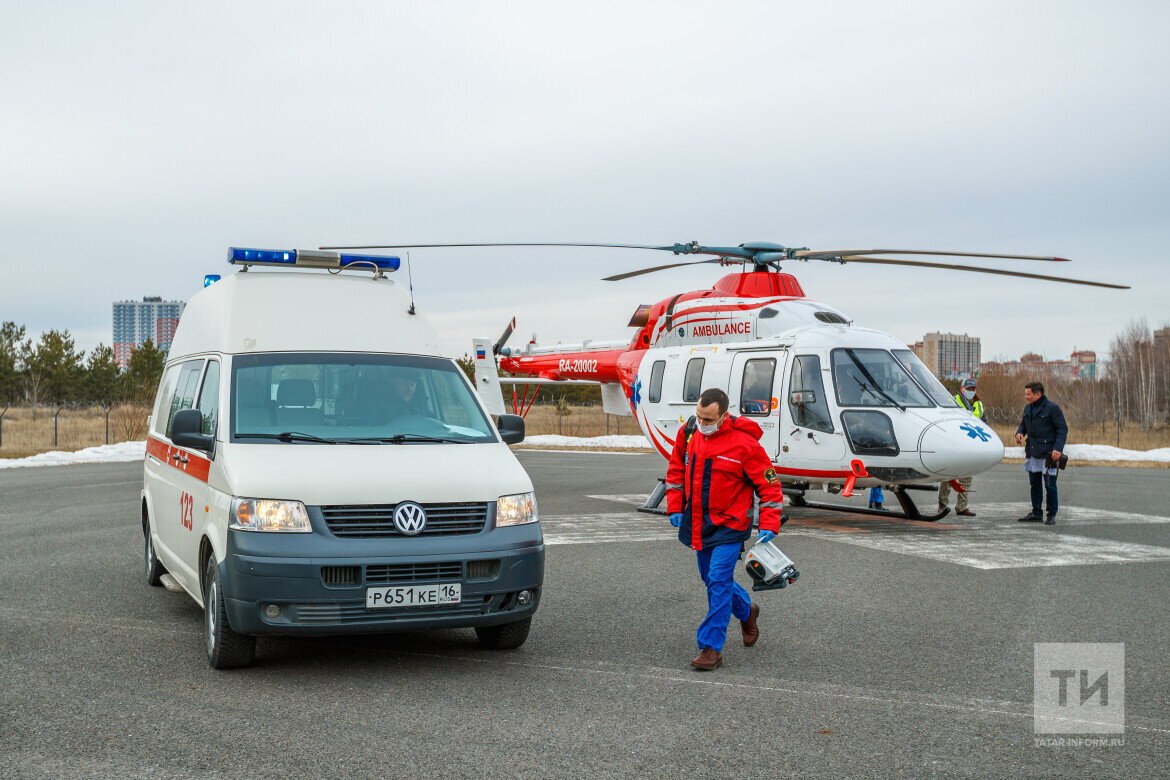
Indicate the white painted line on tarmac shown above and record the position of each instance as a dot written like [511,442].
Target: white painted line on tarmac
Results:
[605,527]
[1077,515]
[1006,548]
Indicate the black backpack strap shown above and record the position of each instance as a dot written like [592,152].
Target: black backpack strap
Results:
[691,426]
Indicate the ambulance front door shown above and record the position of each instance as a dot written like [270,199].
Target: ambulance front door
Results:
[755,392]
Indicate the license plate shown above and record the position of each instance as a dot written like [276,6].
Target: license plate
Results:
[414,595]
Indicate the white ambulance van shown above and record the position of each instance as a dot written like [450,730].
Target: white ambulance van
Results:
[315,465]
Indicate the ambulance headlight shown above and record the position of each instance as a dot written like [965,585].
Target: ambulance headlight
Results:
[516,510]
[251,514]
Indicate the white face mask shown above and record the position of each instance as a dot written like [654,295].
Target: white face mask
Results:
[968,393]
[707,430]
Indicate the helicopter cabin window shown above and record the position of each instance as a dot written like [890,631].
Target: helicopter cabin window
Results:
[693,381]
[872,377]
[806,395]
[656,372]
[869,433]
[755,395]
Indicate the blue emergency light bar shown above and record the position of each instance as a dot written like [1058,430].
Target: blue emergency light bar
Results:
[310,258]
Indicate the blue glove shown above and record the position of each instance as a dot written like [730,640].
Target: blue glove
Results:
[766,536]
[676,519]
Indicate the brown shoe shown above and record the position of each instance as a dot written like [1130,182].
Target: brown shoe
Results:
[750,631]
[708,661]
[966,513]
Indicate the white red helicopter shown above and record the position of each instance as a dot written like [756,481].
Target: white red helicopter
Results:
[841,406]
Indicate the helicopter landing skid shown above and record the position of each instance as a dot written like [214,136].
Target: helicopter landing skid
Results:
[909,509]
[651,507]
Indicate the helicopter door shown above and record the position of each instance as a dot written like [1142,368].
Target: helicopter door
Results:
[808,439]
[755,392]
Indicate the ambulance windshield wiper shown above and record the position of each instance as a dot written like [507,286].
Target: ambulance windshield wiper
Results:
[407,438]
[288,436]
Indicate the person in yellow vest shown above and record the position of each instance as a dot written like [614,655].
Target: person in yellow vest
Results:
[967,398]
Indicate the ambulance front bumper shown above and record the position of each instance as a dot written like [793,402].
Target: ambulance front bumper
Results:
[308,585]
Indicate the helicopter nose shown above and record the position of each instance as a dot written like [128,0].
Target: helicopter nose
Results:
[959,448]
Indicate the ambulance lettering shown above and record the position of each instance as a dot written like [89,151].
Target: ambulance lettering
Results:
[721,329]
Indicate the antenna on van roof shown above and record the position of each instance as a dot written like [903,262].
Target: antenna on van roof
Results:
[410,278]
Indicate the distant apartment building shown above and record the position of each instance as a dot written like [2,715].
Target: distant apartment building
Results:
[136,321]
[1082,364]
[949,355]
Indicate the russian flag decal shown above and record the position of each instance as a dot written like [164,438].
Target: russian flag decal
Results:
[480,354]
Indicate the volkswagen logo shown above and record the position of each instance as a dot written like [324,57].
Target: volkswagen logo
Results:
[410,518]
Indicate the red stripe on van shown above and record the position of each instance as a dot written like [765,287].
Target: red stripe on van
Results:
[196,465]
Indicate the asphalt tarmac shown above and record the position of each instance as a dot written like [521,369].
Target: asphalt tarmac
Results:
[903,649]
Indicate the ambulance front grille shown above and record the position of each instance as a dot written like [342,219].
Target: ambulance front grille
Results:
[352,612]
[406,573]
[378,519]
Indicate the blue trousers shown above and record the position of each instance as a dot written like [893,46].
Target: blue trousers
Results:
[876,496]
[1040,482]
[724,596]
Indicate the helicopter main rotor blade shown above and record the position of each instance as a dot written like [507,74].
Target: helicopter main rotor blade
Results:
[640,271]
[823,255]
[447,246]
[978,270]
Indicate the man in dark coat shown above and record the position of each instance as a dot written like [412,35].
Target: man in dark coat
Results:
[1043,424]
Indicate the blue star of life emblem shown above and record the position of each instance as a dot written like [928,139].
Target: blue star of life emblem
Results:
[975,432]
[682,332]
[636,393]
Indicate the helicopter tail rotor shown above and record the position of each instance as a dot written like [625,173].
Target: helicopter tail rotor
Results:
[498,347]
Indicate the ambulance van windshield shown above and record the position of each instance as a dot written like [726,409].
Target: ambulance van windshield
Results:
[347,398]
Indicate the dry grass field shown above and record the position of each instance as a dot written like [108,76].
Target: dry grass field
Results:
[77,429]
[24,435]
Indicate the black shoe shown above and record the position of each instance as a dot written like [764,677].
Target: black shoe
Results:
[874,505]
[1050,520]
[1030,518]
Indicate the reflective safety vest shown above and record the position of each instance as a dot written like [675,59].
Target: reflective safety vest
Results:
[976,409]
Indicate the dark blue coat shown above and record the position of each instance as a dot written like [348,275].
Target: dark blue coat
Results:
[1044,424]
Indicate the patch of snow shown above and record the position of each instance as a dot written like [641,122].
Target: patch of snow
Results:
[124,452]
[614,442]
[1101,452]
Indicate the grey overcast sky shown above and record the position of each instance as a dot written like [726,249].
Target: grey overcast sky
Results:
[138,140]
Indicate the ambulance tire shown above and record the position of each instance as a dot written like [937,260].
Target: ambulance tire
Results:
[154,569]
[225,648]
[508,636]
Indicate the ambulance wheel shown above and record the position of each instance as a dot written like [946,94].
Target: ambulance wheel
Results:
[154,569]
[225,648]
[509,636]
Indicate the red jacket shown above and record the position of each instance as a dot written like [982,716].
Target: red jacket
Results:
[711,480]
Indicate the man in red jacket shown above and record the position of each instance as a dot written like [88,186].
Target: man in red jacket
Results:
[712,475]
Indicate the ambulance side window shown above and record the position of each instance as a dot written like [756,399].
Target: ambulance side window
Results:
[806,395]
[166,391]
[656,371]
[184,397]
[209,397]
[755,395]
[693,381]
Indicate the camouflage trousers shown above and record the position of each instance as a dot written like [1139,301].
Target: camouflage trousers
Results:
[944,493]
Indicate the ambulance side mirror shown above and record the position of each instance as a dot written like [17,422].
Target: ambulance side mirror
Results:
[187,431]
[511,428]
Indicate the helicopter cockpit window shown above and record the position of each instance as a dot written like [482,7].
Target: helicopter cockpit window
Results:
[870,433]
[926,379]
[693,381]
[831,317]
[806,395]
[755,395]
[872,377]
[656,372]
[768,313]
